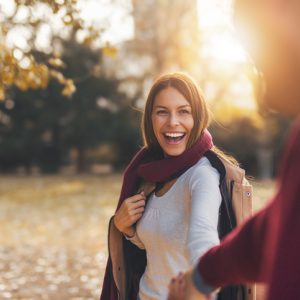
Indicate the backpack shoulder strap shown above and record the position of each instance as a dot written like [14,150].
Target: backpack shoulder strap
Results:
[227,220]
[236,206]
[240,189]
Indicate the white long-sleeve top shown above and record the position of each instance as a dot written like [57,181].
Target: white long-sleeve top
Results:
[178,227]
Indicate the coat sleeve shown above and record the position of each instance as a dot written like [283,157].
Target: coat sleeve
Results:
[109,289]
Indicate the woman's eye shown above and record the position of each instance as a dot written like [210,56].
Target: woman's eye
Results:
[184,111]
[161,112]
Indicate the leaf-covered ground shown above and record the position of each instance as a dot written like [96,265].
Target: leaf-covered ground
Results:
[53,234]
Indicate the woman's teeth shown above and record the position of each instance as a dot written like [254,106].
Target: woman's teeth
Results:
[174,136]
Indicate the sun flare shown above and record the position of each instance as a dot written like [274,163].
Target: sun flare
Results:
[229,59]
[225,47]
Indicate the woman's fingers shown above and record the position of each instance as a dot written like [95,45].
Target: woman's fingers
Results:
[136,217]
[135,198]
[134,204]
[137,204]
[138,210]
[130,211]
[177,288]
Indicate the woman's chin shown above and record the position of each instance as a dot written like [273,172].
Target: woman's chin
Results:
[173,148]
[173,152]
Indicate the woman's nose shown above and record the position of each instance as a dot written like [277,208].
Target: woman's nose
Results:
[173,120]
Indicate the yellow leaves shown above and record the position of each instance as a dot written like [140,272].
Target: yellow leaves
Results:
[35,76]
[21,84]
[7,70]
[8,78]
[20,69]
[55,7]
[91,35]
[8,58]
[109,51]
[32,79]
[58,76]
[69,88]
[44,74]
[2,92]
[88,41]
[56,62]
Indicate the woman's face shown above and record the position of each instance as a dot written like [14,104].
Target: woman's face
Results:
[172,121]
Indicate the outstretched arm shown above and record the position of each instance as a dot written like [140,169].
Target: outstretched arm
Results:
[238,259]
[242,253]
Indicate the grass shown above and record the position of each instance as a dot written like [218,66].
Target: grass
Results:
[54,232]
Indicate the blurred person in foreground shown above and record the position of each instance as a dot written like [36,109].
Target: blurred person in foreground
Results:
[266,247]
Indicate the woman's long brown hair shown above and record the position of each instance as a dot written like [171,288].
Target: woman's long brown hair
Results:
[186,86]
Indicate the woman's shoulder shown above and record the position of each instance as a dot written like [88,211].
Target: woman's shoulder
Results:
[202,170]
[203,164]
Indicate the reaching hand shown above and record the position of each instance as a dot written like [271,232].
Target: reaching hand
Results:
[129,213]
[182,288]
[177,288]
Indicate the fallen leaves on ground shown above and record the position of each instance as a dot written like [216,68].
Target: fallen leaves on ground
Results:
[53,242]
[53,235]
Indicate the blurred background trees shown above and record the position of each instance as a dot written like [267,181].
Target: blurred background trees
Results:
[18,66]
[71,91]
[74,76]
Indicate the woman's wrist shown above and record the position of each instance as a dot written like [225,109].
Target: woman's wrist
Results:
[129,231]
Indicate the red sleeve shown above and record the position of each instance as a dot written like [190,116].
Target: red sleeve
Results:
[240,256]
[266,247]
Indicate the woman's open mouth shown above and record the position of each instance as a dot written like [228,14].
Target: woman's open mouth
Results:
[174,137]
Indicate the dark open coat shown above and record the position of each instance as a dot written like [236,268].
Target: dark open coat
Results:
[126,263]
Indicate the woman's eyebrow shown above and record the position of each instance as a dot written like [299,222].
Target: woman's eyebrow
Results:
[160,106]
[186,105]
[181,106]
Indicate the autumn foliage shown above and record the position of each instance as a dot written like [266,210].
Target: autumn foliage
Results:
[22,70]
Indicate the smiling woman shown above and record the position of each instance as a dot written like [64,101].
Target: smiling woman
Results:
[174,105]
[172,121]
[168,211]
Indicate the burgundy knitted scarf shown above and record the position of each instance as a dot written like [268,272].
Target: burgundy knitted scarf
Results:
[153,167]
